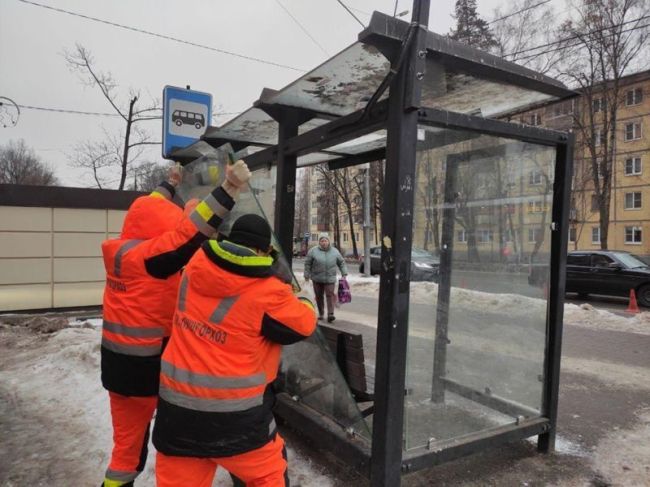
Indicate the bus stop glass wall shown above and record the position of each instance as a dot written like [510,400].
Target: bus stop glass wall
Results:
[477,326]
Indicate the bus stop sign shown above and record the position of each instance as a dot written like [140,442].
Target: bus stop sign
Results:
[186,116]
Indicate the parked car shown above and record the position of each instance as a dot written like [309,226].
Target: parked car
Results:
[603,272]
[424,265]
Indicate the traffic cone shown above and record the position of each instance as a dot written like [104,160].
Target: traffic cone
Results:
[633,307]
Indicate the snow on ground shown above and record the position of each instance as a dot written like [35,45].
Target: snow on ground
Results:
[631,465]
[55,412]
[584,315]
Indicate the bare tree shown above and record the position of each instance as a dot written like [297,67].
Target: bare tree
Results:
[603,42]
[341,180]
[148,175]
[121,150]
[430,194]
[301,220]
[522,26]
[20,165]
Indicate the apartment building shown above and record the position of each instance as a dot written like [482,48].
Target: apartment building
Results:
[629,222]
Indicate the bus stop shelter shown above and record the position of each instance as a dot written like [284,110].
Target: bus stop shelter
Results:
[456,371]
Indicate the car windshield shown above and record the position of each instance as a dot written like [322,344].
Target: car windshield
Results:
[631,261]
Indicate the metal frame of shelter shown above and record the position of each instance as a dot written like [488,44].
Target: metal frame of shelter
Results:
[408,47]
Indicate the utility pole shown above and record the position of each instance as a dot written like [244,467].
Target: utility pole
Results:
[366,221]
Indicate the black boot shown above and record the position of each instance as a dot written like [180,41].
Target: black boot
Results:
[330,318]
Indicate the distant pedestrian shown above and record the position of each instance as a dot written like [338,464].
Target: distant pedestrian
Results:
[320,266]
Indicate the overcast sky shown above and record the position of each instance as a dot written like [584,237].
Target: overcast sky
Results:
[33,71]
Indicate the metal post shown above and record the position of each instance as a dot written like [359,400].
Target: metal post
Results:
[397,234]
[441,339]
[366,221]
[285,189]
[559,242]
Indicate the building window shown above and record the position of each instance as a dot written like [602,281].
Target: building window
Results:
[632,131]
[345,236]
[633,200]
[633,235]
[462,236]
[535,235]
[314,220]
[321,184]
[633,166]
[634,97]
[595,235]
[536,206]
[599,105]
[484,236]
[595,206]
[535,119]
[599,137]
[564,108]
[535,178]
[314,237]
[573,235]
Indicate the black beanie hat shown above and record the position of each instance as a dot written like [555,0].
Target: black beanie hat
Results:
[251,231]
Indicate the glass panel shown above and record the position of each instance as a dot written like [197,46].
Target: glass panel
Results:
[309,373]
[206,172]
[477,326]
[451,89]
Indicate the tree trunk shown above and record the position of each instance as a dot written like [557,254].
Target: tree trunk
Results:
[127,137]
[355,252]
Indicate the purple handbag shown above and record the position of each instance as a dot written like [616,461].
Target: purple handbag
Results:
[344,294]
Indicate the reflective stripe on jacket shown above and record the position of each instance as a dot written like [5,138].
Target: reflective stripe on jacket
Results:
[142,279]
[232,317]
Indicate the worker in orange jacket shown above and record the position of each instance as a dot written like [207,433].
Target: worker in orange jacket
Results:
[233,315]
[142,279]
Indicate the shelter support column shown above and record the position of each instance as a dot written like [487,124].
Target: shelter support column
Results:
[441,339]
[397,234]
[557,281]
[285,189]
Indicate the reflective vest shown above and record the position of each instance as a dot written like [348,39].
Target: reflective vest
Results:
[232,318]
[142,279]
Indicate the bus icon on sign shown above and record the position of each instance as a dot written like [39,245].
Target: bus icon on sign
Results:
[181,118]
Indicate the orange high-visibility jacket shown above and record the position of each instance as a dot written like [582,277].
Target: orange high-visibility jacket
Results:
[232,318]
[142,278]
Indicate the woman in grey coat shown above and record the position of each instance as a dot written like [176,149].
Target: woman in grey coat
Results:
[320,266]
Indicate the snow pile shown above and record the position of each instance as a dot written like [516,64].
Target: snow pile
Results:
[587,316]
[584,315]
[55,412]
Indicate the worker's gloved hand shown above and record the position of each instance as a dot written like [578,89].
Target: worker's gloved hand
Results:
[237,177]
[175,175]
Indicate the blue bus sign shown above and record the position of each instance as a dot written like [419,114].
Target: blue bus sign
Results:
[186,116]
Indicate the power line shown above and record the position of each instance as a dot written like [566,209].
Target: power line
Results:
[530,56]
[98,114]
[64,110]
[163,36]
[297,22]
[351,13]
[560,41]
[519,12]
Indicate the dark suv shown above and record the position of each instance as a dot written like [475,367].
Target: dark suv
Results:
[610,273]
[424,265]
